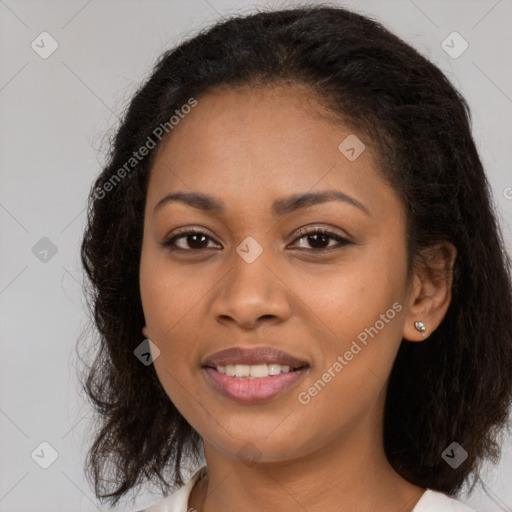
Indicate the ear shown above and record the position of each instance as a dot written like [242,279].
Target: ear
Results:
[430,291]
[145,332]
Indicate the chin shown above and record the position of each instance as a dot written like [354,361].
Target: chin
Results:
[260,448]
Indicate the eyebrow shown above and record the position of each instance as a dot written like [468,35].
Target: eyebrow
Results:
[282,206]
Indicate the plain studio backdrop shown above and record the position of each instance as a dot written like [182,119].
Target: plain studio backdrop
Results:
[58,99]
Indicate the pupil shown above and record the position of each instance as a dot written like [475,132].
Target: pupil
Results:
[197,244]
[324,239]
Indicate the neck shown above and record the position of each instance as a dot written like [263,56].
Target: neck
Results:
[353,474]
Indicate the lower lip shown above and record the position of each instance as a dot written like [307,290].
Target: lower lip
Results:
[250,391]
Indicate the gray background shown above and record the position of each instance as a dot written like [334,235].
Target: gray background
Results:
[55,114]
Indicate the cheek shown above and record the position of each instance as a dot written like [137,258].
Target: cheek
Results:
[345,299]
[168,295]
[354,311]
[168,301]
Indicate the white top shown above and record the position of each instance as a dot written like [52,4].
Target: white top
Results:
[430,501]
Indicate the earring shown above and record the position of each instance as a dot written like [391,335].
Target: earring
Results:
[420,326]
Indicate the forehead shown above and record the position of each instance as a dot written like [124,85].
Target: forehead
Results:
[244,144]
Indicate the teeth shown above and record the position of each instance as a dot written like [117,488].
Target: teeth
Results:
[253,371]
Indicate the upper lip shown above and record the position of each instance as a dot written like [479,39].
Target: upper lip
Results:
[252,356]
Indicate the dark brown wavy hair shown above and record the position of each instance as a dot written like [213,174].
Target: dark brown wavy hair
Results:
[454,386]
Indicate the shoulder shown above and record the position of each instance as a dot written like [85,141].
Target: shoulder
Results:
[434,501]
[178,500]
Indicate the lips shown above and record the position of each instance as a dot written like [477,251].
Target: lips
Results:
[253,356]
[257,391]
[226,372]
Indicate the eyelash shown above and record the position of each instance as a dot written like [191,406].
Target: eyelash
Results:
[301,234]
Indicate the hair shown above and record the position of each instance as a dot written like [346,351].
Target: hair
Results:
[454,386]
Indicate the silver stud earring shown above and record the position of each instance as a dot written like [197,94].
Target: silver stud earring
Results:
[420,326]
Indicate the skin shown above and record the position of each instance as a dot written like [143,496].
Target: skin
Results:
[247,148]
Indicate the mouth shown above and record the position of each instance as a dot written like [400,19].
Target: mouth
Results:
[253,375]
[253,390]
[255,371]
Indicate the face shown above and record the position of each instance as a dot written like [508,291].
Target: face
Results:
[323,279]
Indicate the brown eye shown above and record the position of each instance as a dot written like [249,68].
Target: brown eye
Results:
[195,240]
[319,239]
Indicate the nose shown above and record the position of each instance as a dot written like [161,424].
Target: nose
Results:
[252,294]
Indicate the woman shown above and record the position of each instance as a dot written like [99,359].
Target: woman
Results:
[296,271]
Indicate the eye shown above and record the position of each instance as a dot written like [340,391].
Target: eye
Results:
[195,239]
[318,237]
